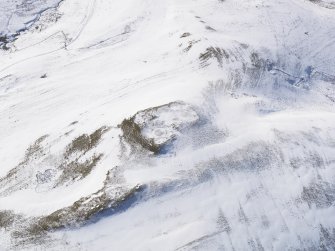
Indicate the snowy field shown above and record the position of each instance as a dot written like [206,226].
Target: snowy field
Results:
[170,125]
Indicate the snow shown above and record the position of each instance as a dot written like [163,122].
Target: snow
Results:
[18,15]
[254,130]
[162,124]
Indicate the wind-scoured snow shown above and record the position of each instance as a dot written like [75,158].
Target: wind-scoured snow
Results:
[171,125]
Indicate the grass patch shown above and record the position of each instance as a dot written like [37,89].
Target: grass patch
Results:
[85,142]
[34,231]
[81,211]
[133,135]
[76,170]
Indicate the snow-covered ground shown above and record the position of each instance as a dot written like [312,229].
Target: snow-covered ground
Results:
[18,15]
[178,125]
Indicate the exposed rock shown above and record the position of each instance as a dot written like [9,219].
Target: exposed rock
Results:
[156,127]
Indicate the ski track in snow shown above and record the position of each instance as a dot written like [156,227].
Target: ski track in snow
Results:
[255,172]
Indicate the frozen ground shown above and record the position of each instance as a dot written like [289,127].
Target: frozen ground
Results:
[178,125]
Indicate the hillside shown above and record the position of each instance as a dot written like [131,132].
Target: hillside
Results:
[170,125]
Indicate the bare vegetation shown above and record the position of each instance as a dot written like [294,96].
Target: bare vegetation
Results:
[186,34]
[83,210]
[325,4]
[112,197]
[320,194]
[150,129]
[33,152]
[85,142]
[190,45]
[213,53]
[3,42]
[76,170]
[74,164]
[6,219]
[132,134]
